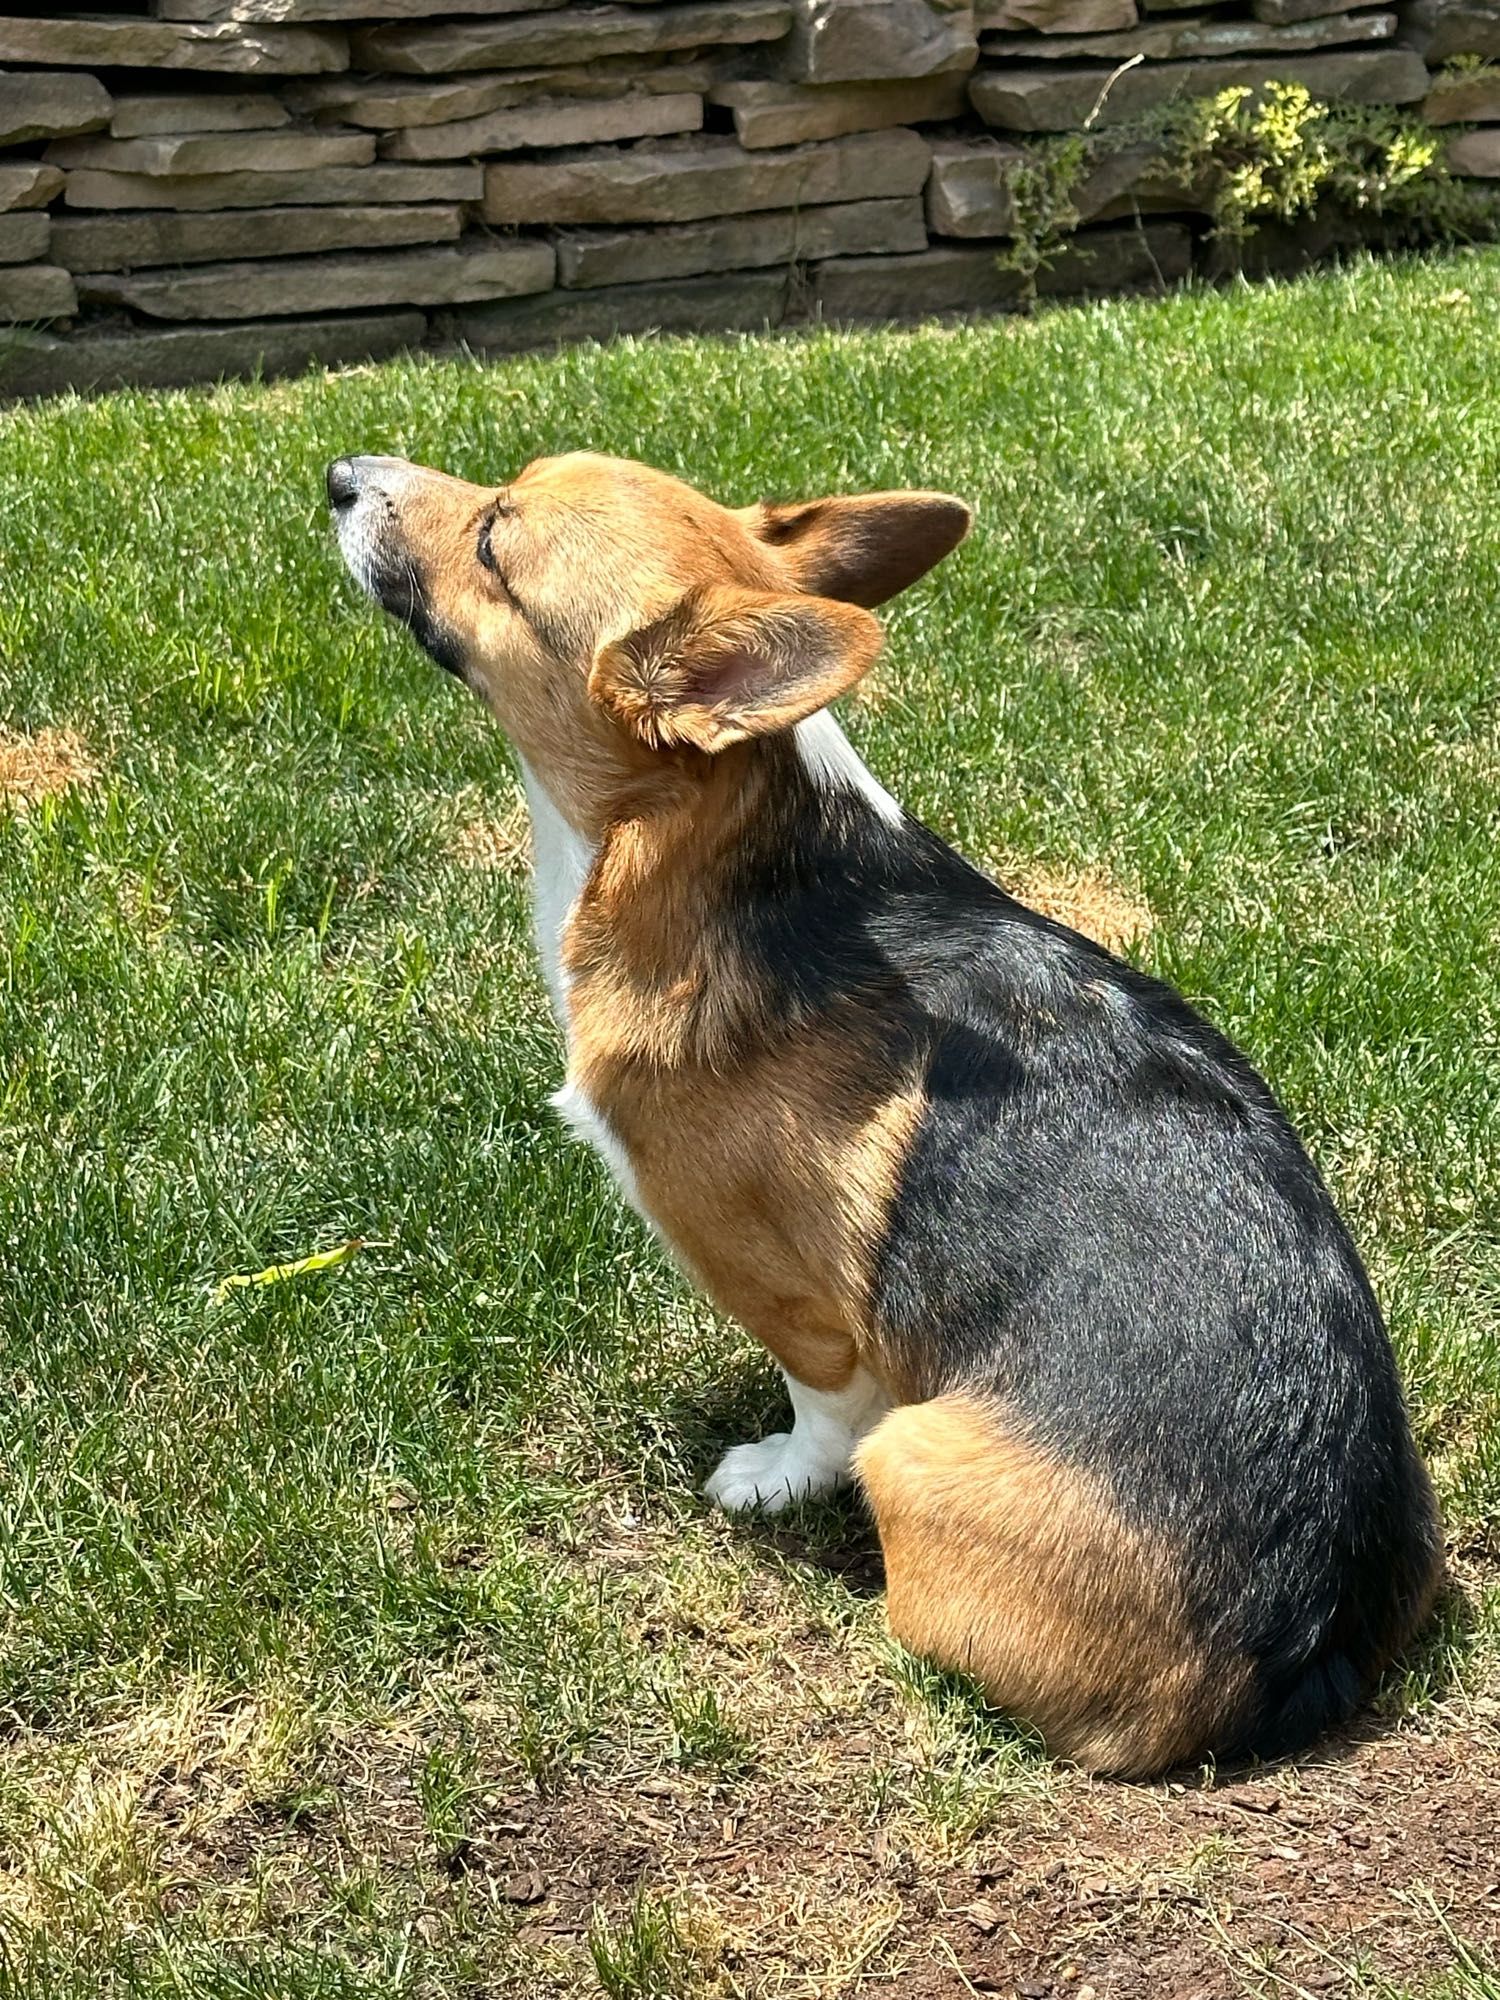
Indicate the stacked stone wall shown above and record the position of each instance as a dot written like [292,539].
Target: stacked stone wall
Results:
[225,185]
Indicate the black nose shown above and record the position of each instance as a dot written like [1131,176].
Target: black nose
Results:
[343,483]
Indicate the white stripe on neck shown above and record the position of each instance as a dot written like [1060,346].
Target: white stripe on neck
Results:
[830,759]
[560,862]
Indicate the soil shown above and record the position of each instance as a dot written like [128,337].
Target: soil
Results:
[1380,1857]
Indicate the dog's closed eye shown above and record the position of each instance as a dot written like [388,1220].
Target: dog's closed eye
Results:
[484,548]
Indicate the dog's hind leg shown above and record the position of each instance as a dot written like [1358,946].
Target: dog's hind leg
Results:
[1013,1566]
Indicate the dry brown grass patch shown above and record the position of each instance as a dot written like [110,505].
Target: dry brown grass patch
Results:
[42,764]
[95,1834]
[501,842]
[1085,899]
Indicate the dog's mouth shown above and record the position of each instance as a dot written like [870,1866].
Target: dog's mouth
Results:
[376,556]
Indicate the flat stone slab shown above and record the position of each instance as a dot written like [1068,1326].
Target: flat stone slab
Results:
[970,192]
[1060,17]
[25,237]
[770,113]
[744,301]
[546,124]
[577,34]
[388,103]
[217,153]
[145,116]
[28,184]
[337,10]
[47,105]
[590,258]
[1201,35]
[450,275]
[89,188]
[1131,183]
[852,41]
[168,357]
[121,42]
[969,189]
[1476,153]
[126,242]
[948,279]
[1442,29]
[1279,12]
[1462,97]
[36,292]
[698,178]
[1061,98]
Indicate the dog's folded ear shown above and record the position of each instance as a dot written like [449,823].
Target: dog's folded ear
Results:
[725,663]
[862,548]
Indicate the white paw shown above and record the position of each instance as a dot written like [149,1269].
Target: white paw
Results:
[770,1475]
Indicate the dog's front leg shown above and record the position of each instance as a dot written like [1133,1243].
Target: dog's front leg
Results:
[812,1457]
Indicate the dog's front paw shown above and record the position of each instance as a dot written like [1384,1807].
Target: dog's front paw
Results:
[768,1475]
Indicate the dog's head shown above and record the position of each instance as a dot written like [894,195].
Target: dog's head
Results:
[612,617]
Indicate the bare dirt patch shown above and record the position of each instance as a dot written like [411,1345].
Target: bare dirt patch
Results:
[42,764]
[1372,1861]
[782,1812]
[833,1859]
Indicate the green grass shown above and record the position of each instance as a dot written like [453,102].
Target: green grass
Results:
[354,1563]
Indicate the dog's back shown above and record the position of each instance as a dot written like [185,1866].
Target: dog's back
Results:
[1151,1481]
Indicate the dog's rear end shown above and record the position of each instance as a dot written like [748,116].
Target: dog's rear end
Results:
[1010,1564]
[1019,1570]
[1156,1487]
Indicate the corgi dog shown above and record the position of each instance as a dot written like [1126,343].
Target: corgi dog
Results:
[1043,1261]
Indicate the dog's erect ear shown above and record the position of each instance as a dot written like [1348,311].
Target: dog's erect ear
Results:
[863,548]
[724,664]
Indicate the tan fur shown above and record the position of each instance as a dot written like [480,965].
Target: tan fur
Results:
[1017,1569]
[587,551]
[773,1184]
[629,626]
[767,1154]
[723,665]
[590,553]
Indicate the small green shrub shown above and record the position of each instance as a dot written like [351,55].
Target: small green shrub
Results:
[1250,157]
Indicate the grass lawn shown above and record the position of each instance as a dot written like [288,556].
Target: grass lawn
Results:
[362,1635]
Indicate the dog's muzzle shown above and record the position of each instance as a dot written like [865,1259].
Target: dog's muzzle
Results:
[362,494]
[364,519]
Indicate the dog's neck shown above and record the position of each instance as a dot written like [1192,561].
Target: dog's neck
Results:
[563,858]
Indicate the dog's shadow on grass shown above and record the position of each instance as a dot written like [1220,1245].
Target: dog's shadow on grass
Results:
[835,1535]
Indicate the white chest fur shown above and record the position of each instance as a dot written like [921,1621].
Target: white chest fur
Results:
[560,864]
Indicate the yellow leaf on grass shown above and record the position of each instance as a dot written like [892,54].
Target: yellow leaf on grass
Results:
[275,1274]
